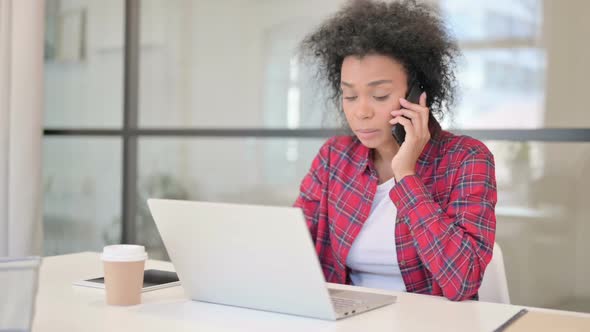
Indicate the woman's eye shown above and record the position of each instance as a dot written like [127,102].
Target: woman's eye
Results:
[351,98]
[381,98]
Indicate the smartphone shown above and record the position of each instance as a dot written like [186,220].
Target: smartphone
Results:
[413,96]
[152,280]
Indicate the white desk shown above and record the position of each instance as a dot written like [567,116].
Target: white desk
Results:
[63,307]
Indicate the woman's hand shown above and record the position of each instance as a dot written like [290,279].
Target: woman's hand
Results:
[414,118]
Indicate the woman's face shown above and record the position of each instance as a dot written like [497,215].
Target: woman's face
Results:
[371,89]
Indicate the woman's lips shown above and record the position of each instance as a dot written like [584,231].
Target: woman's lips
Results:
[366,133]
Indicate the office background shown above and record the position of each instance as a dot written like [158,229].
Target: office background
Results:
[206,100]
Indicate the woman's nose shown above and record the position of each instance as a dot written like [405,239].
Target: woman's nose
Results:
[364,109]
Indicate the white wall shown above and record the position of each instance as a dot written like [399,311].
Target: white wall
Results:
[567,31]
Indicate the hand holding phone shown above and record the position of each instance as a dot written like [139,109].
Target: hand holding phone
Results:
[413,96]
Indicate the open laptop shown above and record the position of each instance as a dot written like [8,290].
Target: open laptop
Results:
[251,256]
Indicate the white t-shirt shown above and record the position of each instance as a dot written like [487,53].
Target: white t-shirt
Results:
[373,258]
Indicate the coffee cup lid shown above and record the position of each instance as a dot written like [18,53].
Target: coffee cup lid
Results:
[124,253]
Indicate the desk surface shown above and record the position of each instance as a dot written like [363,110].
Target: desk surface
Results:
[63,307]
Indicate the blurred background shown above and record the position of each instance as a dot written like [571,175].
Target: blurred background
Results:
[206,100]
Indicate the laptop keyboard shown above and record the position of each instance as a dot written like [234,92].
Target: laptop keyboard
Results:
[345,303]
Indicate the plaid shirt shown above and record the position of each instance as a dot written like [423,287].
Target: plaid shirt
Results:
[445,227]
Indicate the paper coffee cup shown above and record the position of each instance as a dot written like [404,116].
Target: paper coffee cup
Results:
[123,273]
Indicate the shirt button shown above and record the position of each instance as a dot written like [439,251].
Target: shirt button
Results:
[402,263]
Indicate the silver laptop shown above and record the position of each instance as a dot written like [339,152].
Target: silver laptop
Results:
[251,256]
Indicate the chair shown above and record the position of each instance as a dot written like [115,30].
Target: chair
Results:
[494,287]
[18,286]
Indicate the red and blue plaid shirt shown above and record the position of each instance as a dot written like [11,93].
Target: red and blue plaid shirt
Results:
[445,227]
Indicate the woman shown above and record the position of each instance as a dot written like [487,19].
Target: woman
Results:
[416,217]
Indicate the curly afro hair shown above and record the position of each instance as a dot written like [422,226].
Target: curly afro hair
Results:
[411,33]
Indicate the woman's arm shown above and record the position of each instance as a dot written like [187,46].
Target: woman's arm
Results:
[454,245]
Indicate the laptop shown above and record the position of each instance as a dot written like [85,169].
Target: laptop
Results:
[250,256]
